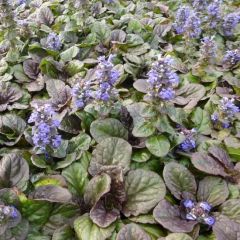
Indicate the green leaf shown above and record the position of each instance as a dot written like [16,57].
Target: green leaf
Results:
[179,180]
[37,212]
[69,54]
[101,30]
[14,171]
[144,190]
[111,152]
[231,209]
[143,129]
[96,188]
[132,232]
[178,236]
[109,127]
[79,143]
[77,178]
[64,233]
[214,190]
[201,121]
[87,230]
[158,145]
[141,155]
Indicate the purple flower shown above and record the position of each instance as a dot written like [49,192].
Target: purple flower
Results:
[200,4]
[45,127]
[82,94]
[188,144]
[214,117]
[230,22]
[226,125]
[188,203]
[210,220]
[187,22]
[20,2]
[53,42]
[167,94]
[231,58]
[182,15]
[14,212]
[205,206]
[228,107]
[208,49]
[214,15]
[106,78]
[162,80]
[193,26]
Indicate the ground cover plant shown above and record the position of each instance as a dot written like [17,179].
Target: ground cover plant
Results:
[119,120]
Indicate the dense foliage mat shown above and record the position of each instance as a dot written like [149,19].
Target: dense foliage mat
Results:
[119,120]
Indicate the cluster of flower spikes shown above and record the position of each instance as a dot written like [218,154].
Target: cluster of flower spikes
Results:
[53,42]
[198,211]
[45,127]
[81,94]
[101,89]
[226,113]
[7,212]
[231,58]
[162,79]
[208,49]
[189,143]
[214,13]
[230,23]
[106,77]
[187,22]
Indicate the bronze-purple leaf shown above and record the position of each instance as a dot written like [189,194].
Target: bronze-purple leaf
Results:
[52,193]
[226,229]
[169,217]
[103,214]
[9,94]
[132,232]
[31,68]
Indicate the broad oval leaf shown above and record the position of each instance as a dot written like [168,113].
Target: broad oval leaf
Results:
[205,163]
[179,180]
[87,230]
[132,232]
[31,68]
[225,229]
[45,16]
[158,145]
[109,127]
[64,233]
[11,129]
[169,217]
[144,190]
[101,215]
[141,85]
[178,236]
[77,178]
[111,152]
[189,95]
[214,190]
[96,188]
[14,171]
[52,193]
[231,209]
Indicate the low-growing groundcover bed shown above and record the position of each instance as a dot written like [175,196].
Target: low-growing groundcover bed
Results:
[120,120]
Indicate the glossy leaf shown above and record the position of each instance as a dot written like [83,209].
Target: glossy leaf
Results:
[144,190]
[179,180]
